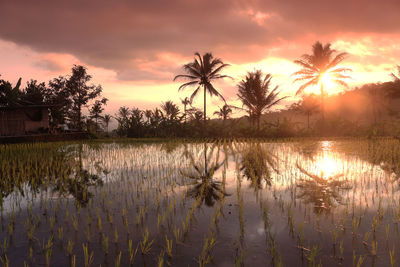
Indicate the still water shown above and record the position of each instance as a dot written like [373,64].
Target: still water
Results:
[252,203]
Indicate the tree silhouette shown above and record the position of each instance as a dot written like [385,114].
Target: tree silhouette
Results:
[107,119]
[394,90]
[309,105]
[256,95]
[171,110]
[186,101]
[321,62]
[34,93]
[96,110]
[201,72]
[10,96]
[81,92]
[223,112]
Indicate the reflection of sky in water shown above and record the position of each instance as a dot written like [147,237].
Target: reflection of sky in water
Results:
[321,183]
[162,167]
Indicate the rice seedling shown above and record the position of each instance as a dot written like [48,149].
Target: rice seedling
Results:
[105,244]
[205,256]
[145,244]
[70,247]
[132,252]
[392,257]
[118,260]
[60,233]
[143,194]
[87,257]
[168,246]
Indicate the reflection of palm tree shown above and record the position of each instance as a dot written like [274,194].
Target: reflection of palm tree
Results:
[204,187]
[257,164]
[256,95]
[169,147]
[322,192]
[320,63]
[202,71]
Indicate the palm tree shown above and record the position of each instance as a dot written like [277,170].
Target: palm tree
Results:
[308,106]
[171,110]
[321,63]
[201,72]
[223,112]
[186,101]
[106,119]
[256,95]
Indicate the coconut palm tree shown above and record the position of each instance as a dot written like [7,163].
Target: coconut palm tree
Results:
[106,119]
[201,72]
[321,65]
[224,112]
[256,95]
[171,110]
[186,101]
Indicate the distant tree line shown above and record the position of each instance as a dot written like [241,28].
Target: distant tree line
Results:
[67,97]
[75,101]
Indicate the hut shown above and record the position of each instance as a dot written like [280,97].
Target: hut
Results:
[24,120]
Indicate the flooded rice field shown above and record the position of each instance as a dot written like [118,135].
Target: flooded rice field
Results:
[224,203]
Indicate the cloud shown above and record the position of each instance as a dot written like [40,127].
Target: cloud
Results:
[120,35]
[48,64]
[150,40]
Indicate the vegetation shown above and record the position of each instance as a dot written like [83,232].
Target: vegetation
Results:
[368,110]
[256,96]
[202,72]
[128,203]
[320,66]
[65,97]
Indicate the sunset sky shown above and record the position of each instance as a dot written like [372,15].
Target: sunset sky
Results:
[135,48]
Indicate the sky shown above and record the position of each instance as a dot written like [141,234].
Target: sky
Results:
[134,48]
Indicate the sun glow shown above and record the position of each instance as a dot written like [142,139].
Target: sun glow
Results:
[326,163]
[330,87]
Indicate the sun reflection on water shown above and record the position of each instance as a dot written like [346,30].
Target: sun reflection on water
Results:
[327,165]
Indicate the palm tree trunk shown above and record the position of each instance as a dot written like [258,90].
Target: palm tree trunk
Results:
[184,108]
[205,96]
[323,104]
[205,159]
[308,120]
